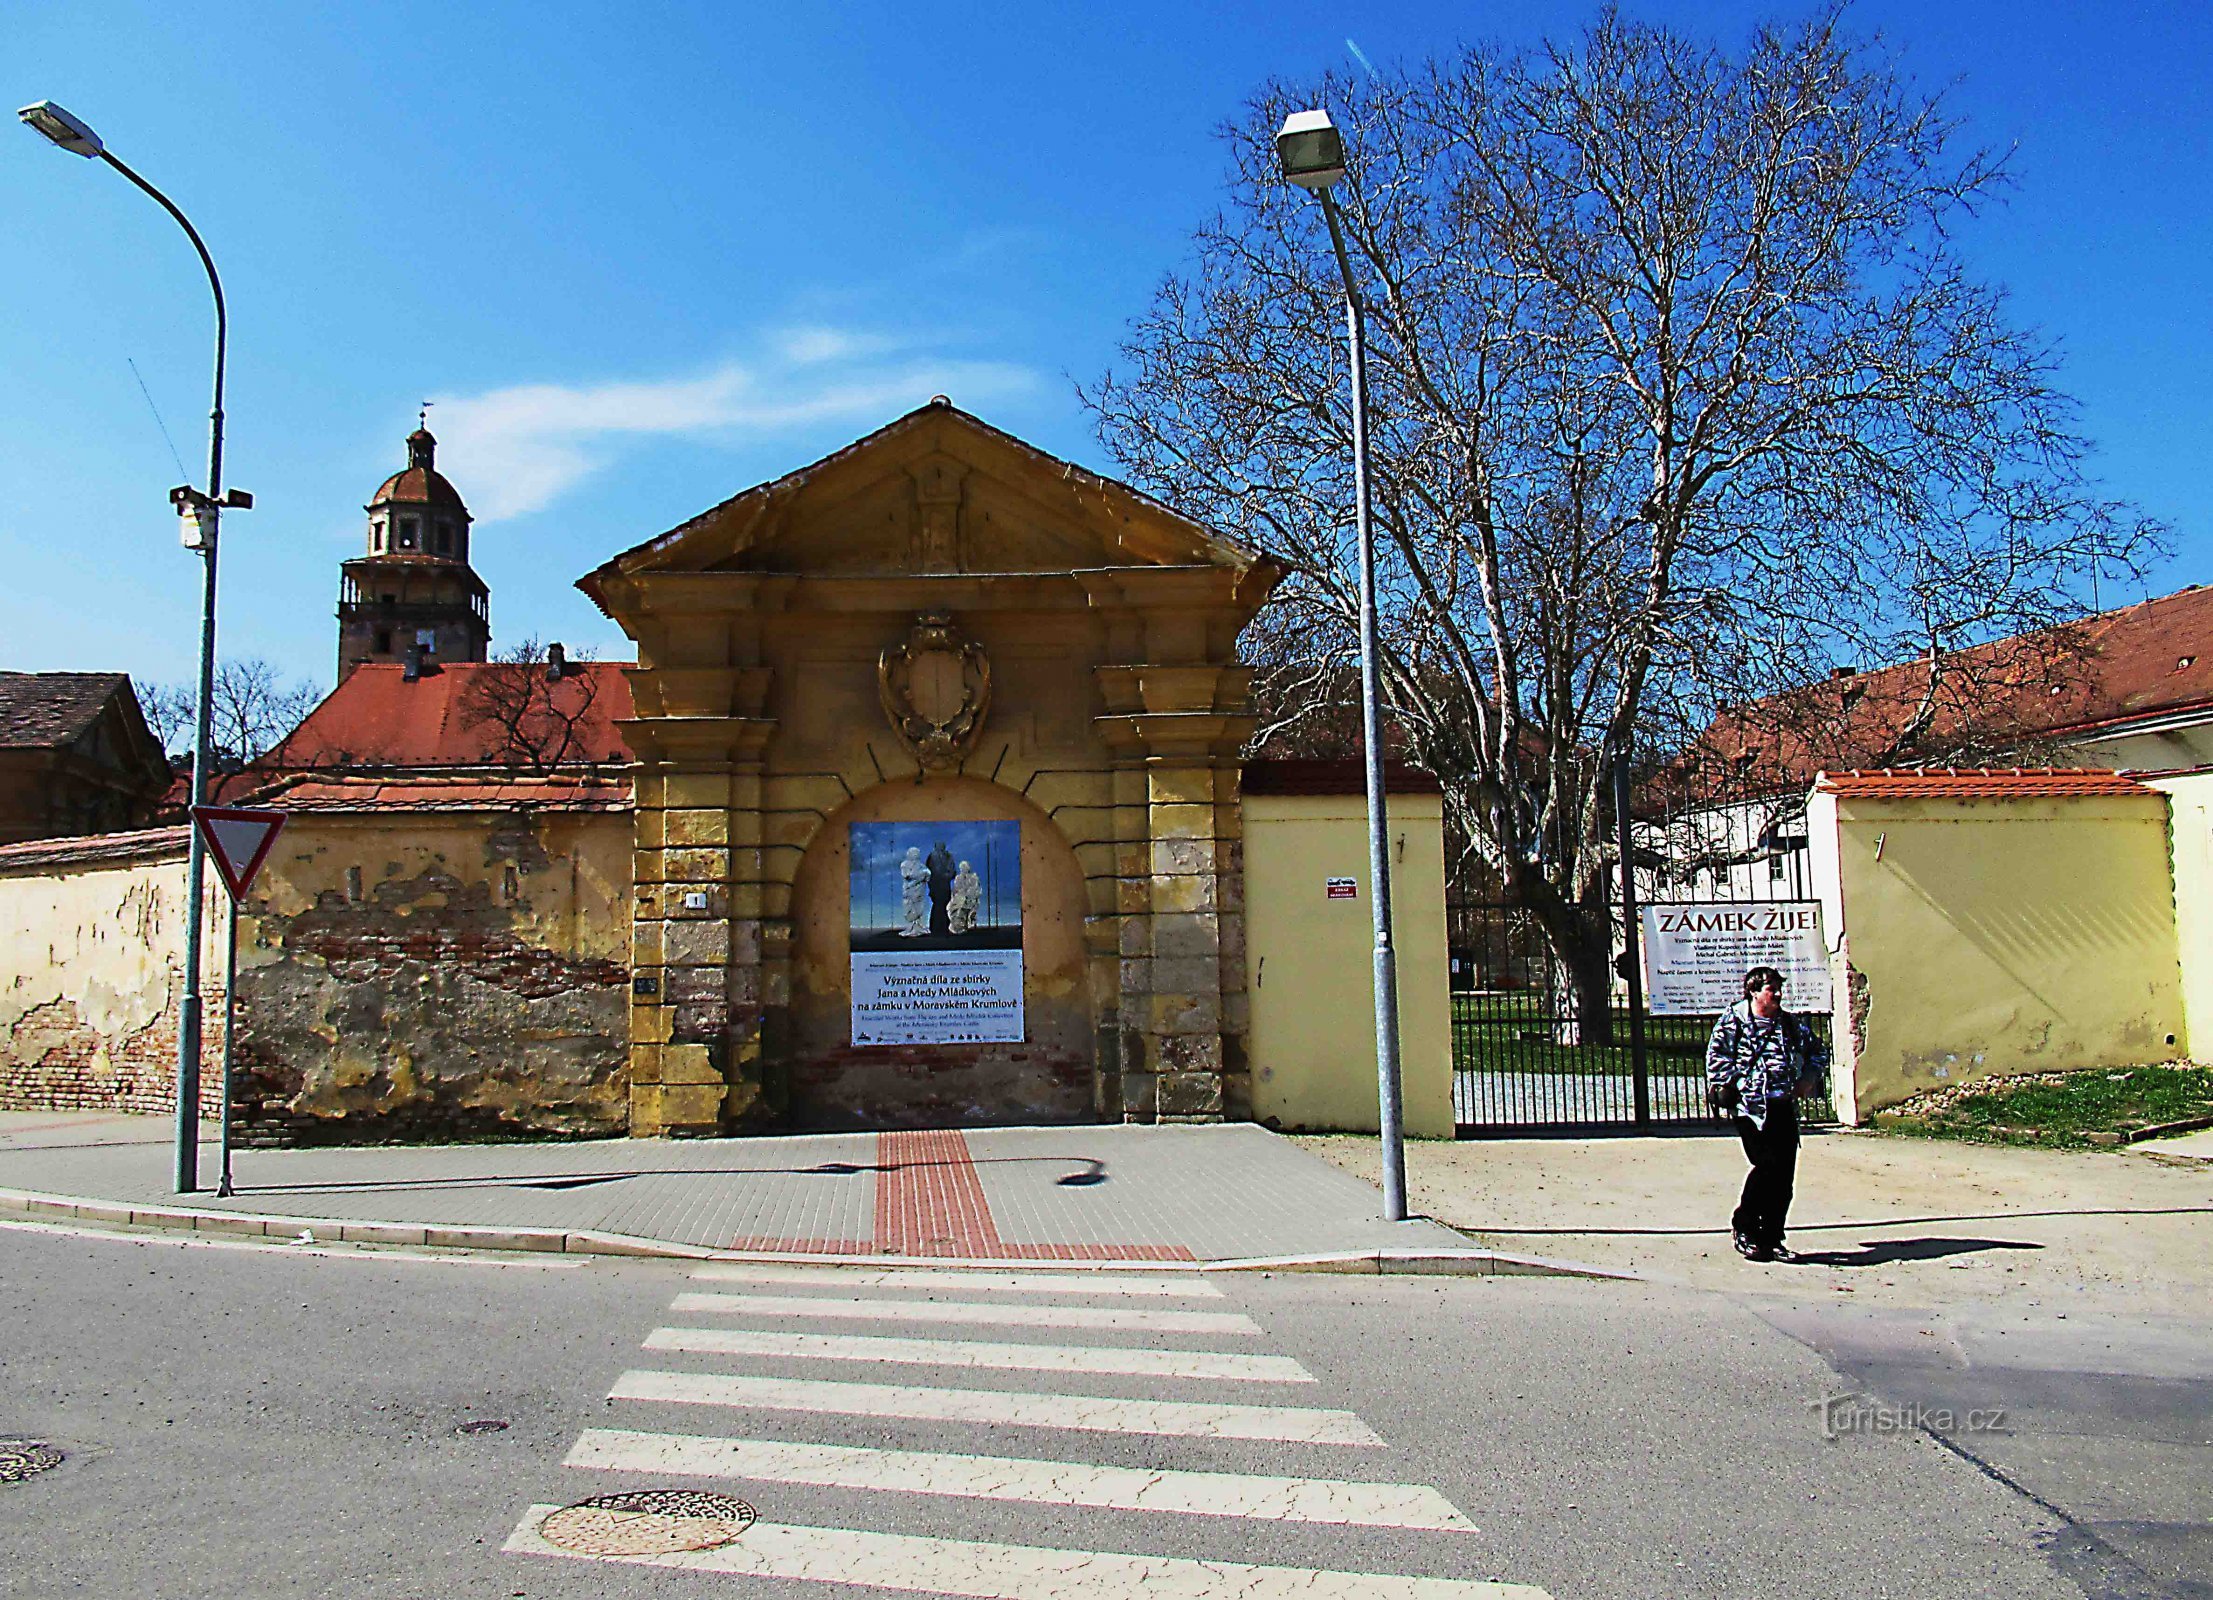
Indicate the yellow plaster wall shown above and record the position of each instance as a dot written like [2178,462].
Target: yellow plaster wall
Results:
[2005,936]
[2190,822]
[1310,969]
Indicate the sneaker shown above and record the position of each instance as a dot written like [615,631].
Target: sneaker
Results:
[1783,1253]
[1751,1249]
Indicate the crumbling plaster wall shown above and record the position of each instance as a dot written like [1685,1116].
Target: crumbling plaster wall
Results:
[91,976]
[437,974]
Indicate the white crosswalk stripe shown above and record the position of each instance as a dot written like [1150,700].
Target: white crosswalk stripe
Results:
[1137,1319]
[1083,1413]
[1018,1478]
[979,1571]
[1222,1365]
[763,1317]
[1098,1282]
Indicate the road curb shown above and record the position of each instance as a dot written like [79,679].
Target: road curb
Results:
[587,1241]
[344,1230]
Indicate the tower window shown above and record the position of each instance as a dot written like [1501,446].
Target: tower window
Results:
[407,533]
[384,641]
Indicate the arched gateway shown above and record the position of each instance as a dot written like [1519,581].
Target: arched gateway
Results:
[937,798]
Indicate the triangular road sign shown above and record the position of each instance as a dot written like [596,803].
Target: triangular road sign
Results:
[238,842]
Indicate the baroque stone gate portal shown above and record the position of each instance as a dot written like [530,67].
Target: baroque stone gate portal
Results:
[937,813]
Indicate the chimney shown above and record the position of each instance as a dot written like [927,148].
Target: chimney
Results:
[557,661]
[412,668]
[1844,672]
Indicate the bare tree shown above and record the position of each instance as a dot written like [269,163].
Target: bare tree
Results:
[253,708]
[534,707]
[1680,389]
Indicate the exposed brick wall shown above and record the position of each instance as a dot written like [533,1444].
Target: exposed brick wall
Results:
[57,1062]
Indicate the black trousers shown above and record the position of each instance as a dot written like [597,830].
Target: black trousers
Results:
[1773,1151]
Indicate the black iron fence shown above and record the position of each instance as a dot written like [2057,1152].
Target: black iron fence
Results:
[1525,1060]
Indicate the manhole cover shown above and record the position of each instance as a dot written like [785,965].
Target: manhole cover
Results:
[23,1458]
[648,1522]
[482,1425]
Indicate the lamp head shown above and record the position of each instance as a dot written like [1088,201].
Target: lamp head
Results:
[1311,150]
[63,129]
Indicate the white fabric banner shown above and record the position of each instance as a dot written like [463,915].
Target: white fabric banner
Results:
[1696,955]
[937,997]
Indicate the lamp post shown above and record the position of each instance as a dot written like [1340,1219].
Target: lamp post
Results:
[1312,154]
[200,515]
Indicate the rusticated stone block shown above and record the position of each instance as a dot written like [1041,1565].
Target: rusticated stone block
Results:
[695,866]
[696,791]
[649,1024]
[1189,1094]
[1184,894]
[1186,935]
[688,1064]
[1183,856]
[684,828]
[1184,1052]
[696,942]
[682,984]
[1178,1014]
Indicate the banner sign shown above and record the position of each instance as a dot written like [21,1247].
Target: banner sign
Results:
[1696,955]
[936,928]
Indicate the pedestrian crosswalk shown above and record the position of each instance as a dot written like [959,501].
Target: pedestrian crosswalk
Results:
[1022,1403]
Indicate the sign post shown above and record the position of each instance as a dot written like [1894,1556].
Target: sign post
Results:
[238,841]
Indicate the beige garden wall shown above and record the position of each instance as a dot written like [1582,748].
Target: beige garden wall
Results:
[92,973]
[1980,937]
[1309,963]
[2190,822]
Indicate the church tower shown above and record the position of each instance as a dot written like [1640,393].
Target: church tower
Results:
[415,586]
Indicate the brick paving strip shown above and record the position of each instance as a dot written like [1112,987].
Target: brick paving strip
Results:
[930,1202]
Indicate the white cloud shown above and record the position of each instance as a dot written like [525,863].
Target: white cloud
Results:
[527,445]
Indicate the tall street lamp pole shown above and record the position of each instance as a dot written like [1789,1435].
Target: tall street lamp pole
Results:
[201,515]
[1313,156]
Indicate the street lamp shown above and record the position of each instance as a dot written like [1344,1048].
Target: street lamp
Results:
[1312,153]
[200,515]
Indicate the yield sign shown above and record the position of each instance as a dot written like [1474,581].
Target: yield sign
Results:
[238,841]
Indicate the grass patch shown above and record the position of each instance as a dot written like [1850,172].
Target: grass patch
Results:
[2058,1110]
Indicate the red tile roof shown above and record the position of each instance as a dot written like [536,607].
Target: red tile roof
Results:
[555,792]
[376,718]
[2135,665]
[1976,783]
[141,844]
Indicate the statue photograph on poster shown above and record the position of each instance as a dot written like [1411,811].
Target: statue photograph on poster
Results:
[936,930]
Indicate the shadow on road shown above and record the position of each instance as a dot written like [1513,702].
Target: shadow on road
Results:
[1881,1252]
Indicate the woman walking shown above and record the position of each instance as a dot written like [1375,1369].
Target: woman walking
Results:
[1758,1062]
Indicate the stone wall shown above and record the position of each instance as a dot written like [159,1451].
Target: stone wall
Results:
[437,974]
[92,974]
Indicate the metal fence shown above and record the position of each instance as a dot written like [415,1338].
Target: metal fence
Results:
[1523,1061]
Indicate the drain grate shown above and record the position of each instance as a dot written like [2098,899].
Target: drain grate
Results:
[648,1522]
[481,1425]
[24,1458]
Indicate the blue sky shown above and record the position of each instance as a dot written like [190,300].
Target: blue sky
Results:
[643,256]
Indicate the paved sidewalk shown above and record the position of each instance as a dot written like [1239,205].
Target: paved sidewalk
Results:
[1879,1218]
[1113,1193]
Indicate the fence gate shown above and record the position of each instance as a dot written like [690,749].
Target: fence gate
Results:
[1524,1062]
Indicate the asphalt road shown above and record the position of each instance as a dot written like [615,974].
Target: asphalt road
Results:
[247,1420]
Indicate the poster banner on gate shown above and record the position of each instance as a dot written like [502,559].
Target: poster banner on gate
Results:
[1696,955]
[936,931]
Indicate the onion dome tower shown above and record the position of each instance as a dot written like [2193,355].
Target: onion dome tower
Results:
[415,587]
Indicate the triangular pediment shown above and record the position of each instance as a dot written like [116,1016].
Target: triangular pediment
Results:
[937,491]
